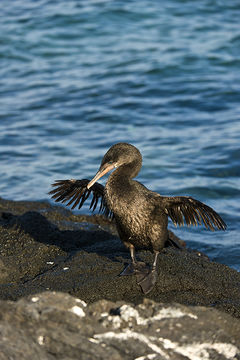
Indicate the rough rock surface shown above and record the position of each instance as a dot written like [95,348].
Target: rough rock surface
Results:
[55,325]
[49,248]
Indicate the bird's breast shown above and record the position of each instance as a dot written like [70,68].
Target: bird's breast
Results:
[137,218]
[132,213]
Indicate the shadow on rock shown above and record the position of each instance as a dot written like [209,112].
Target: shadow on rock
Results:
[41,230]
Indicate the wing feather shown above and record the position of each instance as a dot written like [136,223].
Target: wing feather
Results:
[194,212]
[94,202]
[75,193]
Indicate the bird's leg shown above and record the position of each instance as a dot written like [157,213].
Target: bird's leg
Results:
[135,267]
[148,282]
[155,260]
[133,256]
[130,269]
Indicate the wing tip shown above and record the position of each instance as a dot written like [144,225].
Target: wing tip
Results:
[75,193]
[193,212]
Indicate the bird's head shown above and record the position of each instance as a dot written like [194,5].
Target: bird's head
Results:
[118,155]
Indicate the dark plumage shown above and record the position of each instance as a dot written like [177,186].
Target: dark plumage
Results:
[141,215]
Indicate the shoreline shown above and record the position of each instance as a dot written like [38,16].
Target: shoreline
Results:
[45,247]
[61,295]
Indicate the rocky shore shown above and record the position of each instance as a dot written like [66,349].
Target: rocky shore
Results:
[55,325]
[55,257]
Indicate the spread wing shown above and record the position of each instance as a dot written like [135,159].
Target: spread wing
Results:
[194,212]
[75,192]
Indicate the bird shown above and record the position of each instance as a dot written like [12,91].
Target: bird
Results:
[141,215]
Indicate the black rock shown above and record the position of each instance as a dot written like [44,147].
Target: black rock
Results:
[49,248]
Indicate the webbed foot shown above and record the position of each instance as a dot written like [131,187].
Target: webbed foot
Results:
[136,268]
[148,282]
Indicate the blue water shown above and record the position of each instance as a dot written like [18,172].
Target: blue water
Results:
[78,76]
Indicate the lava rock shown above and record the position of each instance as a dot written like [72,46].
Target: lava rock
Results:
[54,325]
[44,247]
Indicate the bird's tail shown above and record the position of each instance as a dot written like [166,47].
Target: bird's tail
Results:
[174,241]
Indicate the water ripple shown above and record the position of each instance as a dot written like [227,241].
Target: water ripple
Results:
[80,76]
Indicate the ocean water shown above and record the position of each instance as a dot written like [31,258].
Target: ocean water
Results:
[79,76]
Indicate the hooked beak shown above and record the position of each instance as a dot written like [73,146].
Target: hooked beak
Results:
[102,171]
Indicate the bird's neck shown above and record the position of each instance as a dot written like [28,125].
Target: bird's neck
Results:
[126,172]
[119,182]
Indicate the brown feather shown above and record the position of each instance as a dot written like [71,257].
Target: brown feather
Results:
[75,193]
[193,211]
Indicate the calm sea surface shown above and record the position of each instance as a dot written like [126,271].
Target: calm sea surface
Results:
[79,76]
